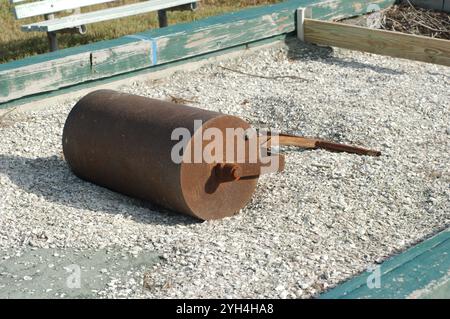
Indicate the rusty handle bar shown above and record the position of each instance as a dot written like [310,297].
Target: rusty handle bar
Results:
[336,147]
[314,143]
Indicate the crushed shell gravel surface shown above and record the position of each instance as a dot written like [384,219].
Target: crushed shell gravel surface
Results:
[327,217]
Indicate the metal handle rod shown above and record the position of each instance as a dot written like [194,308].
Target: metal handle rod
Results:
[314,143]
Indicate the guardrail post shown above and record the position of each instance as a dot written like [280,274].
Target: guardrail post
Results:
[302,13]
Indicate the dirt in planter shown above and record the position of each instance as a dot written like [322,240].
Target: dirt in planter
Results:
[409,19]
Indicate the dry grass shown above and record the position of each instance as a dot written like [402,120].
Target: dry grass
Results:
[15,44]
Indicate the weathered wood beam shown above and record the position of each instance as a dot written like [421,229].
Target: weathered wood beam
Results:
[419,267]
[48,75]
[395,44]
[334,10]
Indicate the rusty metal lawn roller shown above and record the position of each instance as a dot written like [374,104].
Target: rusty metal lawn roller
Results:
[126,143]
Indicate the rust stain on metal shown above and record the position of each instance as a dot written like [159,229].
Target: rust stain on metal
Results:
[124,142]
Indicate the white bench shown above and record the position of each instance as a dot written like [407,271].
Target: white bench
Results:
[77,21]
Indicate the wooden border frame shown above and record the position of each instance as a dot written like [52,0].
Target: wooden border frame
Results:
[390,43]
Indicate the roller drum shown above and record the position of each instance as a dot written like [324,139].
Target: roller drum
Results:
[123,142]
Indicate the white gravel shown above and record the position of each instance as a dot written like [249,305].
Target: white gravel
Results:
[326,218]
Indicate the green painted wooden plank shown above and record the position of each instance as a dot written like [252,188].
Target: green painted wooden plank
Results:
[74,68]
[45,57]
[43,76]
[71,66]
[76,65]
[121,59]
[178,63]
[413,276]
[338,9]
[216,34]
[403,274]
